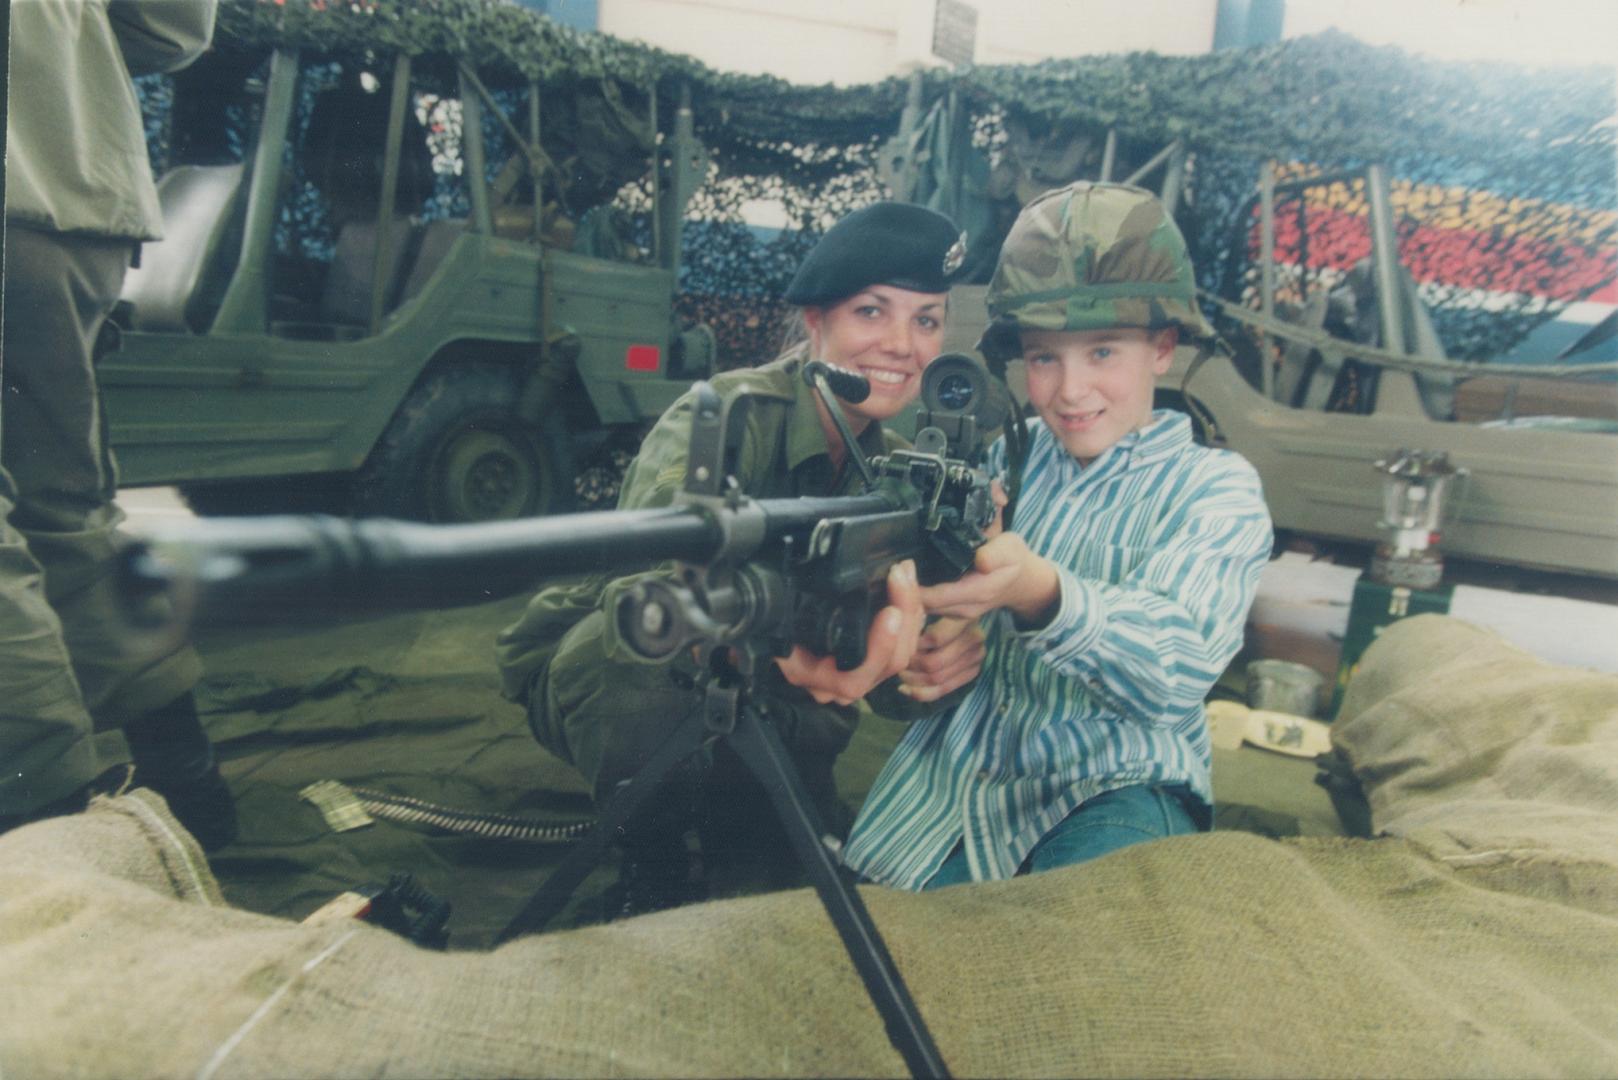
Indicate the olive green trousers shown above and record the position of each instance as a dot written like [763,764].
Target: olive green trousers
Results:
[607,716]
[69,665]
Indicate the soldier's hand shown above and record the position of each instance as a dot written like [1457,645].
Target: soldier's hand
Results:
[948,656]
[1006,574]
[889,645]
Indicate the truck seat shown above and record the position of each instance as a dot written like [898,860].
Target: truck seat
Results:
[415,251]
[182,278]
[347,297]
[437,238]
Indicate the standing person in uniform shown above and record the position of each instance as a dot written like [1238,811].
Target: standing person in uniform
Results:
[873,299]
[1117,595]
[79,200]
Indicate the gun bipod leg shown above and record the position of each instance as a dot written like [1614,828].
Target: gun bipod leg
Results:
[760,749]
[553,895]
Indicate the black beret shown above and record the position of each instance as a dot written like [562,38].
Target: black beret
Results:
[886,243]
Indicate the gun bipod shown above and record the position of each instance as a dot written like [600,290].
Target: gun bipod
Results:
[728,715]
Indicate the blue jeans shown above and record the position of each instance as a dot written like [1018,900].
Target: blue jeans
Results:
[1112,820]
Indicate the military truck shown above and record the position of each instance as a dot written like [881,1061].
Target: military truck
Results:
[1537,445]
[455,369]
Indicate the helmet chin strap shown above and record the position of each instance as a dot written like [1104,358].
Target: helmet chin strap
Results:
[1016,458]
[1205,350]
[1016,434]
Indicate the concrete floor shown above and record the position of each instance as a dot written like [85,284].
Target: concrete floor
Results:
[149,506]
[1301,614]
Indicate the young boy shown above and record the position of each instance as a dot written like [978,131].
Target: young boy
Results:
[1114,599]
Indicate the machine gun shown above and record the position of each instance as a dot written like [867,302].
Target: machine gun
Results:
[752,578]
[752,574]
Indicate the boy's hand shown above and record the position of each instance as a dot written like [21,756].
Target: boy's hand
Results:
[1006,574]
[948,656]
[997,526]
[889,645]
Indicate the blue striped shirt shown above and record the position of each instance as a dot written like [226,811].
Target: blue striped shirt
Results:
[1158,546]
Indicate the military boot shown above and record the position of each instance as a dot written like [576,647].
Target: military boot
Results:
[173,757]
[656,871]
[655,874]
[653,877]
[746,847]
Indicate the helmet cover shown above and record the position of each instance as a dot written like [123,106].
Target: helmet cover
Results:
[1091,256]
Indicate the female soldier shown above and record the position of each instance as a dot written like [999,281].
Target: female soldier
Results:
[872,294]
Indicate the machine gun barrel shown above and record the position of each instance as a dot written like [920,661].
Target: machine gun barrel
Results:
[276,569]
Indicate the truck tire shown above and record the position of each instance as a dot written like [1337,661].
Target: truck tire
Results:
[457,451]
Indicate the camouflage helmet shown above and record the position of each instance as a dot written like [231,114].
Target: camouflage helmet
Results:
[1091,256]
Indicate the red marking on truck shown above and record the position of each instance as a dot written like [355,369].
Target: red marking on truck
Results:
[643,357]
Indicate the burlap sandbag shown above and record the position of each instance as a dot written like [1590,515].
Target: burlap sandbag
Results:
[1492,759]
[1212,955]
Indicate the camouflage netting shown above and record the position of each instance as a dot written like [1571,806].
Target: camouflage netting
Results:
[1503,177]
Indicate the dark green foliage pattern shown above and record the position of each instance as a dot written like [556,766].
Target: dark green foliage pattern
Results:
[1327,100]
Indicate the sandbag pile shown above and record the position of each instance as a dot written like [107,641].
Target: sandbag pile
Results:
[1440,949]
[1496,762]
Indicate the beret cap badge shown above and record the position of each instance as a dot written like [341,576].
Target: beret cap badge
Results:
[955,256]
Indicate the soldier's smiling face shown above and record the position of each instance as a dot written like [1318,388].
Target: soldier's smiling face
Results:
[885,333]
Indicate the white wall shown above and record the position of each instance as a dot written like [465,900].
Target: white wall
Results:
[1535,32]
[838,41]
[857,41]
[1023,31]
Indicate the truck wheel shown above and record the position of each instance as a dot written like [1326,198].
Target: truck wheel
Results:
[457,452]
[487,470]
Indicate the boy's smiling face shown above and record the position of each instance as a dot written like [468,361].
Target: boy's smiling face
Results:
[1093,387]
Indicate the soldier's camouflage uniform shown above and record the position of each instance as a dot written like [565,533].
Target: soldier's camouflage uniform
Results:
[79,197]
[594,706]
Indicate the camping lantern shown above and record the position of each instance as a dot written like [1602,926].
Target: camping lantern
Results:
[1414,486]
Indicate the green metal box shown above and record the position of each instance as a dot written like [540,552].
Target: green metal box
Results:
[1375,606]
